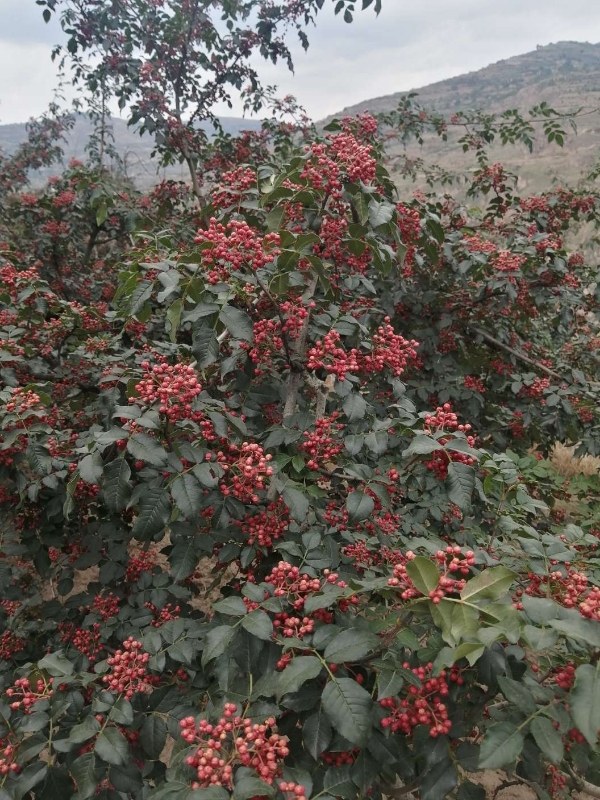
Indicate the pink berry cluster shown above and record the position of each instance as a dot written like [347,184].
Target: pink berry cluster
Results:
[474,384]
[327,353]
[7,758]
[420,706]
[287,581]
[246,468]
[568,587]
[389,350]
[536,390]
[235,246]
[296,790]
[266,526]
[233,742]
[128,674]
[320,445]
[23,695]
[174,388]
[450,560]
[445,419]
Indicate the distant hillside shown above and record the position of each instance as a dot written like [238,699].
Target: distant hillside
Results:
[134,149]
[566,75]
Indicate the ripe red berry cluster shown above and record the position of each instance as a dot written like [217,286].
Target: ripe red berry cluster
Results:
[234,247]
[172,387]
[355,158]
[445,419]
[144,561]
[389,350]
[7,756]
[474,384]
[339,758]
[329,355]
[106,605]
[246,468]
[420,706]
[536,390]
[564,677]
[297,791]
[232,742]
[23,695]
[266,526]
[128,675]
[319,444]
[87,641]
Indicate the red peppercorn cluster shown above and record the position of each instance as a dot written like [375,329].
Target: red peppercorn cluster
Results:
[128,675]
[288,582]
[568,587]
[10,645]
[143,561]
[232,186]
[354,157]
[23,695]
[536,390]
[266,526]
[329,355]
[420,706]
[87,641]
[564,677]
[474,384]
[106,605]
[174,388]
[167,613]
[246,468]
[445,419]
[339,758]
[319,444]
[450,560]
[232,742]
[233,247]
[558,782]
[7,758]
[389,350]
[266,342]
[297,791]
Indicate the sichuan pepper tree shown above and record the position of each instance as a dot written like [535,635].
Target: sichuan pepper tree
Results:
[397,609]
[168,62]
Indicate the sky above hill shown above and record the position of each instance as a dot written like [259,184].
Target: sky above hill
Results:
[409,45]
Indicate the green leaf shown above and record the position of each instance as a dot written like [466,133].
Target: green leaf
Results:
[216,642]
[238,323]
[39,458]
[585,701]
[517,694]
[116,485]
[359,506]
[153,516]
[317,733]
[350,645]
[153,735]
[297,503]
[460,482]
[91,468]
[248,787]
[421,445]
[232,606]
[490,584]
[354,406]
[548,739]
[501,746]
[348,707]
[145,448]
[85,730]
[188,495]
[56,665]
[183,559]
[112,746]
[259,624]
[174,317]
[298,671]
[84,774]
[380,212]
[439,781]
[424,574]
[576,627]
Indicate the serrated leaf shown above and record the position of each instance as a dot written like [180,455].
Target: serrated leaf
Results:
[116,485]
[112,746]
[585,701]
[490,584]
[183,559]
[153,735]
[517,694]
[216,642]
[144,448]
[232,606]
[439,781]
[297,503]
[84,730]
[501,746]
[350,645]
[354,406]
[153,516]
[237,322]
[298,671]
[359,506]
[548,739]
[460,482]
[248,787]
[259,624]
[317,733]
[424,574]
[187,494]
[348,707]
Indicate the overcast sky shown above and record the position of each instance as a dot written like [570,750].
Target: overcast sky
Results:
[409,45]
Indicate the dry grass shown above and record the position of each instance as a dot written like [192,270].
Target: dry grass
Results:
[566,464]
